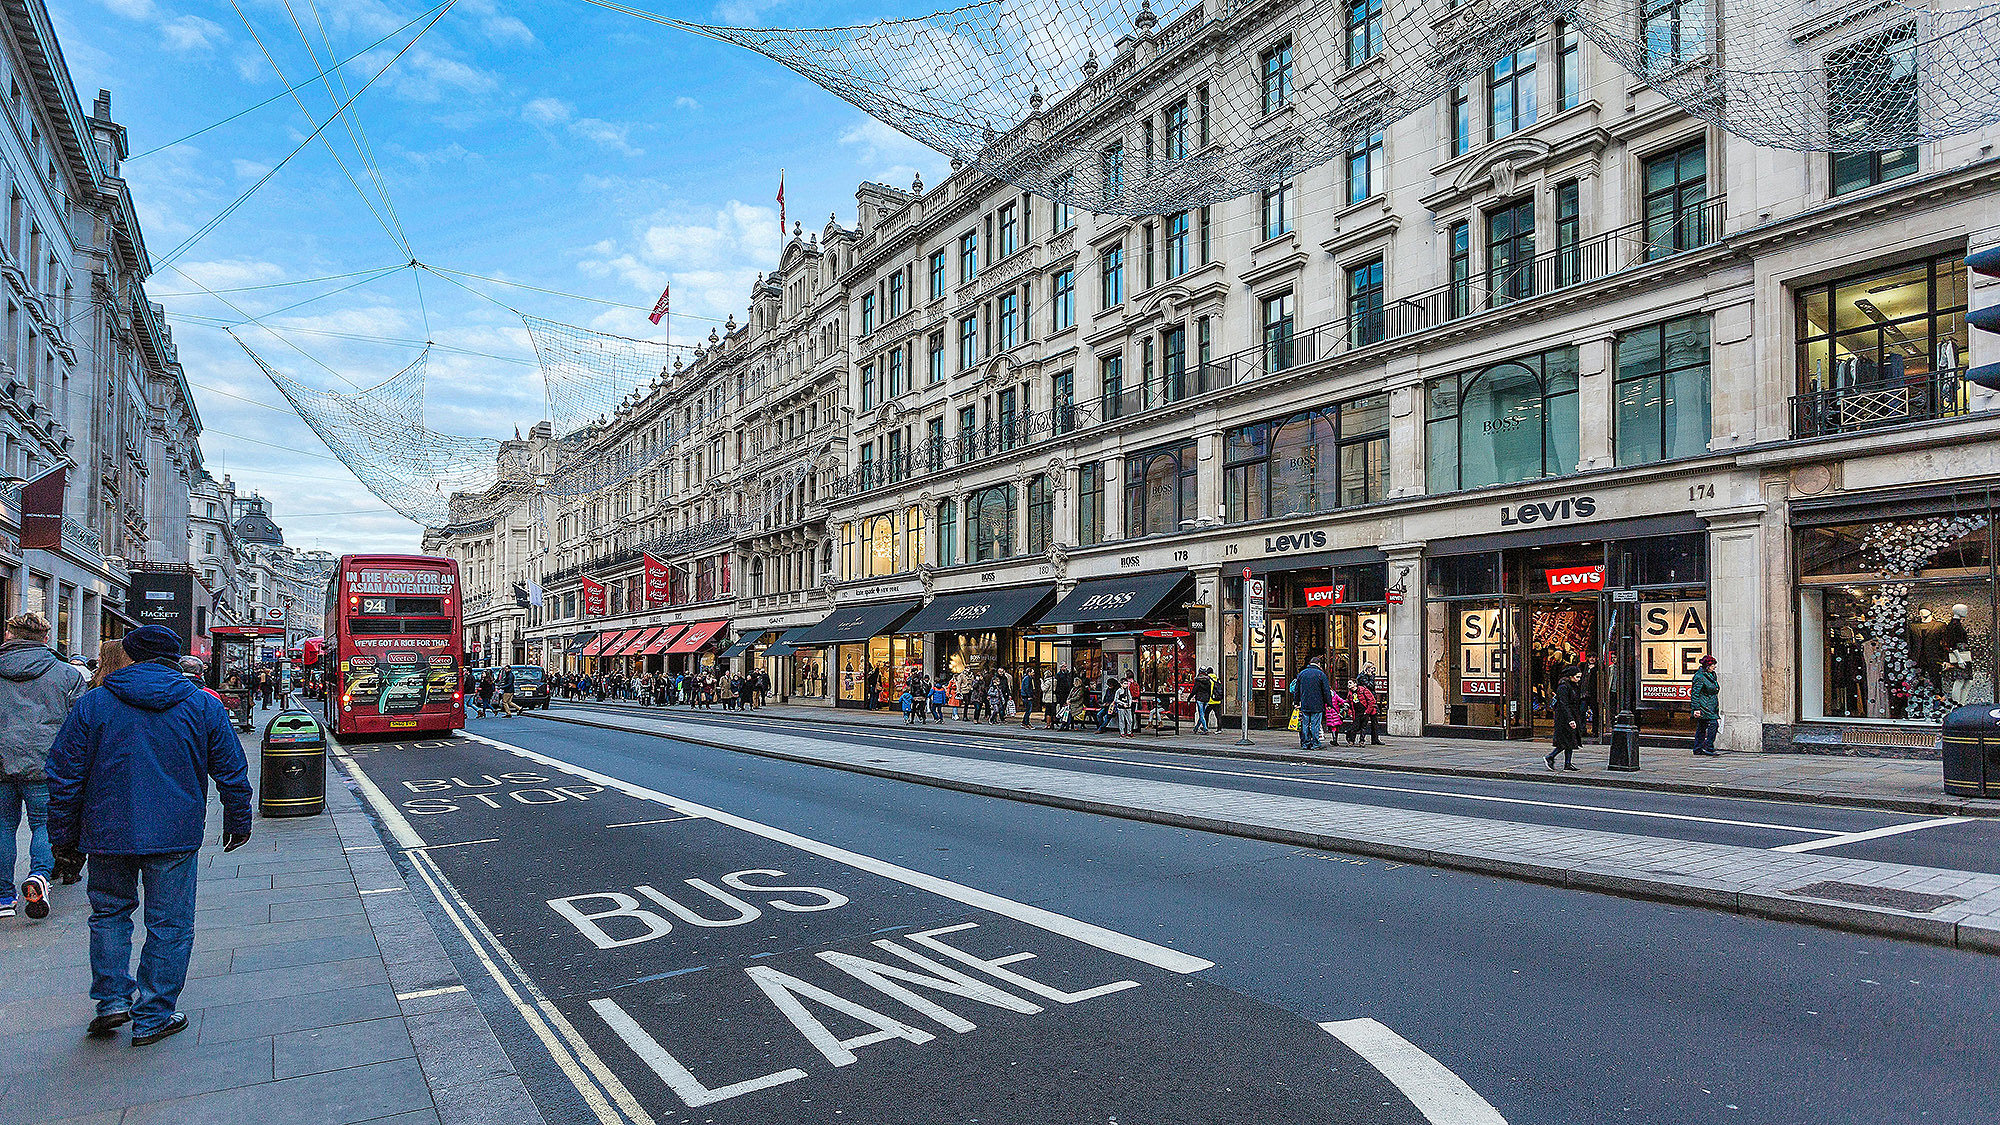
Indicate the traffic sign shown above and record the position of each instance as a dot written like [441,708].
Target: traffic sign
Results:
[1253,601]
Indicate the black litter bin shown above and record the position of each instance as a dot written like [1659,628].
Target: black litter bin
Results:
[292,779]
[1972,751]
[1625,742]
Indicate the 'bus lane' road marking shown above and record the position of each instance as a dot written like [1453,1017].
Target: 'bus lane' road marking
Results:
[1441,1096]
[1842,841]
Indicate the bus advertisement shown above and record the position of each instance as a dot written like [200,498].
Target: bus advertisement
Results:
[393,639]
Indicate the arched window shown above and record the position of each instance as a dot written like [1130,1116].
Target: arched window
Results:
[881,546]
[990,523]
[913,538]
[757,574]
[850,558]
[947,536]
[1159,491]
[1041,513]
[1510,422]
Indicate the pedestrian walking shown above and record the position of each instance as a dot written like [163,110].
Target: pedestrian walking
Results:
[482,696]
[1367,709]
[1569,718]
[1203,688]
[37,689]
[1031,696]
[1311,694]
[938,700]
[1078,704]
[1122,703]
[128,788]
[1705,696]
[1215,702]
[996,697]
[1340,713]
[507,705]
[1051,701]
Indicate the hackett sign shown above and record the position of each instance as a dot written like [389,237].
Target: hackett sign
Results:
[1548,511]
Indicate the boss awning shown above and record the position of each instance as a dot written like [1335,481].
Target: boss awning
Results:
[789,643]
[696,636]
[659,644]
[743,645]
[979,611]
[1138,597]
[859,623]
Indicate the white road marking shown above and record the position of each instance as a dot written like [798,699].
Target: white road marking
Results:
[384,890]
[1441,1096]
[1346,784]
[1110,941]
[1871,834]
[421,993]
[662,820]
[454,844]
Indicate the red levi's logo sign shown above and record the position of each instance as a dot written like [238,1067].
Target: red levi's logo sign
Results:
[1325,595]
[1563,580]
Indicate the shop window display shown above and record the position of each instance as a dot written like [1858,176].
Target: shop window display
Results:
[1896,618]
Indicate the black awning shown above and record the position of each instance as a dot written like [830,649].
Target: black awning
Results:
[979,611]
[789,643]
[859,623]
[742,645]
[1136,597]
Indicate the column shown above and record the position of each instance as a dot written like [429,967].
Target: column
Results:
[1740,628]
[1021,513]
[1407,456]
[1114,498]
[1207,480]
[1407,683]
[1594,404]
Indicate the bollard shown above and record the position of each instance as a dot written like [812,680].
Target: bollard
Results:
[1625,742]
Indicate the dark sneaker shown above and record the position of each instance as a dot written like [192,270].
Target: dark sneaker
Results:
[7,908]
[173,1026]
[35,892]
[107,1023]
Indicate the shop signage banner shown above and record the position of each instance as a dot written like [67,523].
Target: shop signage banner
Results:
[1325,595]
[42,510]
[1673,637]
[1482,655]
[658,581]
[1571,579]
[163,598]
[593,597]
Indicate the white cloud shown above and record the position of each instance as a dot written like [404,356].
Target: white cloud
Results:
[546,111]
[890,157]
[685,102]
[248,169]
[192,33]
[132,9]
[550,112]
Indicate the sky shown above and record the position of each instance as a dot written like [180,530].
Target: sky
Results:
[543,143]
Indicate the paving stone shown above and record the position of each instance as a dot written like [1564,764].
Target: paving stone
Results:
[317,1009]
[366,1093]
[329,908]
[284,982]
[340,1047]
[335,947]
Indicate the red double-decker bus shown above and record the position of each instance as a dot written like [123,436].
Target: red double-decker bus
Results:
[392,645]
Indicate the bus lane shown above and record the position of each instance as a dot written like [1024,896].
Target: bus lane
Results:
[689,964]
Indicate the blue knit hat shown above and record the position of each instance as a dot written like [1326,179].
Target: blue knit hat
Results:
[151,642]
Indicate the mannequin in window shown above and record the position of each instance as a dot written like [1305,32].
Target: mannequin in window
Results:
[1930,648]
[1958,660]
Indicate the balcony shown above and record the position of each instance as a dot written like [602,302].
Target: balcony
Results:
[992,440]
[1831,411]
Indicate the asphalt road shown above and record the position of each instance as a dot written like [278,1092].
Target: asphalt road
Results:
[1968,845]
[1176,976]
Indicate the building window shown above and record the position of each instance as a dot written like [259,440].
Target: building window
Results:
[1006,419]
[1676,188]
[937,275]
[968,433]
[896,372]
[1364,168]
[1111,380]
[937,357]
[1278,211]
[1461,268]
[1062,400]
[989,523]
[1569,66]
[1311,462]
[1201,113]
[1112,161]
[1010,320]
[868,477]
[1160,491]
[1173,363]
[1063,305]
[1510,422]
[1113,262]
[934,444]
[1089,504]
[968,256]
[1569,235]
[1177,244]
[1461,119]
[1364,30]
[1277,323]
[1277,71]
[1872,88]
[1510,252]
[947,534]
[868,387]
[968,343]
[1673,32]
[1888,330]
[1060,216]
[1510,93]
[1176,132]
[867,313]
[896,295]
[1662,391]
[1010,229]
[1041,514]
[1364,303]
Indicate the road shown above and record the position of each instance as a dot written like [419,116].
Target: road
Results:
[670,932]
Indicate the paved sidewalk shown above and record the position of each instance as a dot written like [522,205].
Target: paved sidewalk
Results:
[1954,908]
[1897,784]
[312,999]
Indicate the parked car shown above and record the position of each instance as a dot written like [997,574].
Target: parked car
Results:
[531,686]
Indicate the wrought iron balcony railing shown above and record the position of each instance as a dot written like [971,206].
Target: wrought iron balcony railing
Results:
[1828,411]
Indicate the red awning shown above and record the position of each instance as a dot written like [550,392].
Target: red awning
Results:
[697,636]
[659,644]
[632,647]
[602,644]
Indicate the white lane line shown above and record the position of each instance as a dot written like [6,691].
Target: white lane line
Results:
[1110,941]
[384,890]
[453,844]
[1405,790]
[662,820]
[1871,834]
[399,829]
[421,993]
[1441,1096]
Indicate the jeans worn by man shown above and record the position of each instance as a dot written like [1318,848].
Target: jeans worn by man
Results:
[36,691]
[1312,726]
[128,787]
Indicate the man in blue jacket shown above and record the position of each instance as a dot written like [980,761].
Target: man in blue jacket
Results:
[128,787]
[1311,692]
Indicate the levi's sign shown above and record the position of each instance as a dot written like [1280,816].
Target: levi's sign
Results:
[1294,541]
[1325,595]
[1562,580]
[1548,511]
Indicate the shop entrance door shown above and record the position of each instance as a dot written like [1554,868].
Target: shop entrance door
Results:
[1307,639]
[1562,633]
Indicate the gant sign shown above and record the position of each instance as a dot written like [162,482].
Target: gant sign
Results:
[1570,579]
[1548,511]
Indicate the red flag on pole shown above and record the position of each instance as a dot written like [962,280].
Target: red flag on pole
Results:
[41,510]
[657,576]
[781,204]
[660,306]
[593,597]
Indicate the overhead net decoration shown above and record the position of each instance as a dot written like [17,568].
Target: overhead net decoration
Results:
[1115,108]
[588,373]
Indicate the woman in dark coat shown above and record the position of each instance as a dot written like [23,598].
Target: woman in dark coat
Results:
[1569,718]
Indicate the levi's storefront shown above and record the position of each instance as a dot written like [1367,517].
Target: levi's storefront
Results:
[1505,615]
[1331,605]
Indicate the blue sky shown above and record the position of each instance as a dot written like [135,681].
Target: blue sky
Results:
[545,142]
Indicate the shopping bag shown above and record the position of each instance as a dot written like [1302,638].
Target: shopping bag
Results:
[1293,725]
